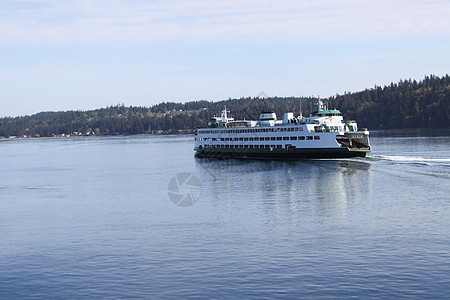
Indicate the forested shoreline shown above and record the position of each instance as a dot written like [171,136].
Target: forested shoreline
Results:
[406,104]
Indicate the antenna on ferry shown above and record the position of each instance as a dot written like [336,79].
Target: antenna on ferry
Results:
[301,114]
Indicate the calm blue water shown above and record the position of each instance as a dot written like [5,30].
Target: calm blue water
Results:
[94,218]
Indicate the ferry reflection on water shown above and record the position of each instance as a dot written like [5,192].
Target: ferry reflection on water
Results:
[328,184]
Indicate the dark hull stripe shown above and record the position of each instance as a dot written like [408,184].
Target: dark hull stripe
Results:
[224,153]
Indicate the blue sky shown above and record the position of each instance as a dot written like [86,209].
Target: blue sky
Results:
[86,54]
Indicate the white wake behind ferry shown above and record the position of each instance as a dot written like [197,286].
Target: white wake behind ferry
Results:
[324,134]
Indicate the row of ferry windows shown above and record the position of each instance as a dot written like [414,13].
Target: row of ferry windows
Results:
[245,146]
[252,130]
[279,138]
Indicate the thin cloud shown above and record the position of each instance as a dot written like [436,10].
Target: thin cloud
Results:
[80,21]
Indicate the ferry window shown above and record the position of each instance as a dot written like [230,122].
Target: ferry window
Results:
[251,146]
[300,129]
[301,137]
[296,128]
[272,146]
[286,138]
[266,146]
[309,137]
[222,139]
[293,138]
[241,139]
[279,146]
[256,138]
[267,139]
[250,139]
[245,139]
[317,137]
[278,138]
[227,139]
[272,138]
[246,146]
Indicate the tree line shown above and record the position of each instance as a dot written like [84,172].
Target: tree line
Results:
[406,104]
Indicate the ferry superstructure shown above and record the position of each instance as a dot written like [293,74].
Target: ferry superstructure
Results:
[324,134]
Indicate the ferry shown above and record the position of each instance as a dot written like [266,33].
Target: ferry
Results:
[324,134]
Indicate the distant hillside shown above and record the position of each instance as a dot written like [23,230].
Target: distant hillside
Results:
[407,104]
